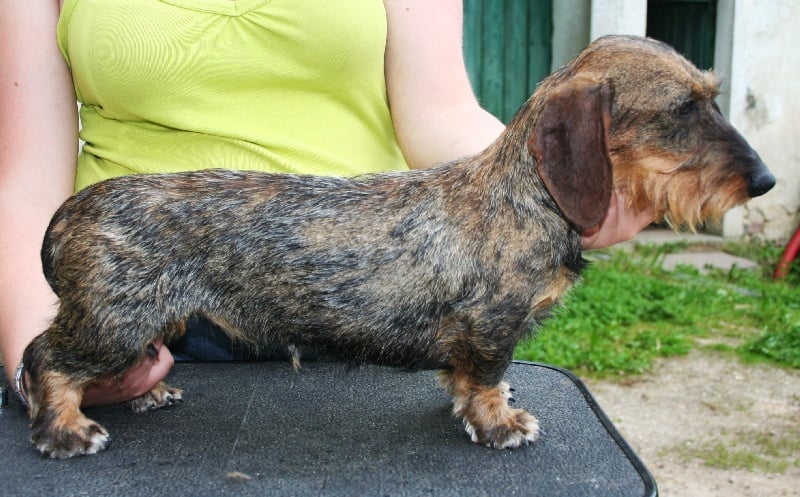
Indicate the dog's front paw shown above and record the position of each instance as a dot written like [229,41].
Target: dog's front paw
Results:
[162,395]
[490,421]
[82,437]
[516,428]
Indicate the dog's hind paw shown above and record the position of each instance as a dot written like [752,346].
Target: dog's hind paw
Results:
[86,438]
[162,395]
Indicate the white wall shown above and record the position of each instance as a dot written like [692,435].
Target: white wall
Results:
[622,17]
[577,22]
[571,27]
[764,104]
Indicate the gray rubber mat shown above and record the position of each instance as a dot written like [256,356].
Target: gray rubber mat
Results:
[261,429]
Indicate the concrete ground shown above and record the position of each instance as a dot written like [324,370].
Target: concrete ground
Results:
[700,259]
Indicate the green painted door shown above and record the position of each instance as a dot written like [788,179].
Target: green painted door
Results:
[687,25]
[507,47]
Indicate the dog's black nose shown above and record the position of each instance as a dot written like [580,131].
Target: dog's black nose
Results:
[760,181]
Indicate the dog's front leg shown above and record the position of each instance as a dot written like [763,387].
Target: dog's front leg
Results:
[485,410]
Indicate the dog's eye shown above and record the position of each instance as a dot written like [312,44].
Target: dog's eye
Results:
[687,108]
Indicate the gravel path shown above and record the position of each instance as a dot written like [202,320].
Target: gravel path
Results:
[708,405]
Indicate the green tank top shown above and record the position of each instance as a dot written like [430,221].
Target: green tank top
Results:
[272,85]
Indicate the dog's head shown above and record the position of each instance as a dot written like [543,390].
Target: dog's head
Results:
[631,113]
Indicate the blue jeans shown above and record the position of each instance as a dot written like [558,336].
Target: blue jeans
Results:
[204,341]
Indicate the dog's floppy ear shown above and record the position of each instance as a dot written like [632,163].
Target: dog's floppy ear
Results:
[569,145]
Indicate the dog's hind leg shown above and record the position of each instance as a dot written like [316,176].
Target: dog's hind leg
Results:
[70,357]
[162,395]
[58,427]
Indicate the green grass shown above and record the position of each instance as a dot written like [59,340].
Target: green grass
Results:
[628,311]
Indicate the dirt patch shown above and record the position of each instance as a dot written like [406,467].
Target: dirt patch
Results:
[707,425]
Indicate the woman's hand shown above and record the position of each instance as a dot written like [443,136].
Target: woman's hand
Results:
[136,382]
[620,224]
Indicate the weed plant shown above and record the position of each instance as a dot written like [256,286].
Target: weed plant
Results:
[628,311]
